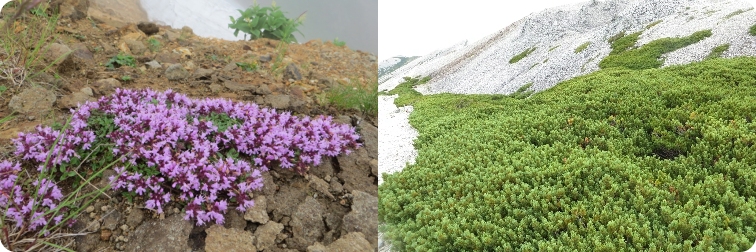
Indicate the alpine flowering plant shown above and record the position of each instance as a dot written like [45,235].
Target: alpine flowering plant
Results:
[209,163]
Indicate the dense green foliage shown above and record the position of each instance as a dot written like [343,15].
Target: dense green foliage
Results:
[266,22]
[752,30]
[121,60]
[647,56]
[716,52]
[582,47]
[522,55]
[622,43]
[616,160]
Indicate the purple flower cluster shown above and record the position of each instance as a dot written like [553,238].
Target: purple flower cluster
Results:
[21,209]
[170,132]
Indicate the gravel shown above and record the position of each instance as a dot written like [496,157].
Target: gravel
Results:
[395,136]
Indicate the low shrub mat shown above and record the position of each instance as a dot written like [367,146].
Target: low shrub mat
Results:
[616,160]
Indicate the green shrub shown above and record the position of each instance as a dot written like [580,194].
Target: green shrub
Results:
[716,52]
[616,160]
[266,22]
[523,54]
[338,43]
[647,56]
[154,44]
[582,47]
[752,30]
[622,43]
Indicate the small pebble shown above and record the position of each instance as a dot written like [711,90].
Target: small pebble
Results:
[90,209]
[91,215]
[125,227]
[104,208]
[176,210]
[327,178]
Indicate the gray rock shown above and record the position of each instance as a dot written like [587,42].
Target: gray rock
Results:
[168,235]
[269,186]
[364,216]
[324,169]
[202,73]
[176,72]
[87,91]
[171,35]
[292,72]
[111,220]
[136,47]
[230,67]
[136,216]
[153,64]
[342,119]
[167,58]
[307,224]
[93,226]
[258,212]
[263,90]
[221,239]
[81,51]
[336,187]
[265,58]
[215,88]
[59,52]
[278,101]
[236,87]
[320,185]
[34,100]
[347,243]
[285,202]
[266,234]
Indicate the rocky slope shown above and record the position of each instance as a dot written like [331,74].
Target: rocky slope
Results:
[335,207]
[483,67]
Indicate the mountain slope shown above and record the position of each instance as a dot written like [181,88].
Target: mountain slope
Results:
[484,67]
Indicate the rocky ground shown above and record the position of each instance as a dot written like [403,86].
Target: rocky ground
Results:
[334,208]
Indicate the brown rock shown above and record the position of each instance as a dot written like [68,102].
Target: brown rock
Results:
[364,216]
[351,242]
[74,100]
[236,87]
[105,86]
[168,235]
[369,134]
[59,52]
[278,101]
[221,239]
[170,58]
[320,185]
[81,51]
[258,212]
[297,93]
[292,72]
[355,172]
[105,234]
[266,234]
[34,101]
[148,28]
[137,47]
[73,9]
[176,72]
[234,219]
[307,224]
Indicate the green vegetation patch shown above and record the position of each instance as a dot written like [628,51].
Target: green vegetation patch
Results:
[622,43]
[522,55]
[653,24]
[616,160]
[752,30]
[555,47]
[582,47]
[647,56]
[716,52]
[737,12]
